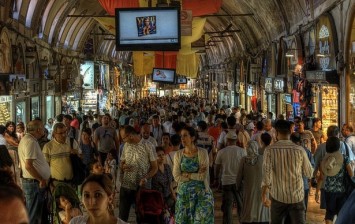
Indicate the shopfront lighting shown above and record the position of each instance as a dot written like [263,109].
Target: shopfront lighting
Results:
[289,55]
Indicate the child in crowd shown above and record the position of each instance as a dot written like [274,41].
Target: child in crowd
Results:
[67,211]
[111,164]
[96,167]
[20,130]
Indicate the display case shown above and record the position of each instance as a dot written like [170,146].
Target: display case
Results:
[89,102]
[329,106]
[5,109]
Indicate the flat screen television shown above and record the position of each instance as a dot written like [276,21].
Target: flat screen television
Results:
[163,75]
[155,29]
[181,80]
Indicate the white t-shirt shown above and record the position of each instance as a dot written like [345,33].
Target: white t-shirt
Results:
[230,157]
[30,149]
[84,220]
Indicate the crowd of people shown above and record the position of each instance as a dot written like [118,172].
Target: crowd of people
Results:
[182,147]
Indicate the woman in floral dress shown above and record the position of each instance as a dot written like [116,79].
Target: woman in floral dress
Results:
[195,203]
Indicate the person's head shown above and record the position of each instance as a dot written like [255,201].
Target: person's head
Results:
[156,121]
[296,138]
[5,159]
[2,129]
[231,138]
[62,201]
[347,130]
[35,128]
[317,123]
[282,129]
[231,121]
[114,123]
[267,124]
[59,118]
[270,115]
[333,131]
[60,132]
[259,125]
[332,144]
[128,134]
[20,128]
[145,131]
[146,21]
[202,125]
[106,119]
[86,134]
[12,206]
[10,127]
[175,140]
[300,126]
[97,195]
[292,126]
[160,154]
[252,148]
[165,139]
[112,154]
[188,136]
[266,138]
[96,167]
[67,120]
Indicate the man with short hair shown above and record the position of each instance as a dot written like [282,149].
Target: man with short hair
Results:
[317,131]
[284,165]
[347,132]
[307,139]
[138,165]
[35,170]
[105,138]
[269,129]
[57,152]
[229,159]
[146,137]
[157,129]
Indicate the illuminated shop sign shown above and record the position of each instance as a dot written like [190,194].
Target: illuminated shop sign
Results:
[268,85]
[278,85]
[87,73]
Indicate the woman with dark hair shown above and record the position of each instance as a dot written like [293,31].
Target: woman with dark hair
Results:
[12,144]
[12,200]
[6,162]
[162,180]
[97,192]
[195,203]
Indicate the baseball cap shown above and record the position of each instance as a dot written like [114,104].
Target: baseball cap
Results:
[231,135]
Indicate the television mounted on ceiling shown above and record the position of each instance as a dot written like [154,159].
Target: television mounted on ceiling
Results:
[164,75]
[181,80]
[148,29]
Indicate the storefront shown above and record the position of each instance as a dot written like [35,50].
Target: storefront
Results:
[350,75]
[5,109]
[49,99]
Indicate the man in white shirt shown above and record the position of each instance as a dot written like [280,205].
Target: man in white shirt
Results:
[229,159]
[35,170]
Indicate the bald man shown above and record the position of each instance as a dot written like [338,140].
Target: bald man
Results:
[35,169]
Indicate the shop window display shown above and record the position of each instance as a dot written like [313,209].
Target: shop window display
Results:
[5,109]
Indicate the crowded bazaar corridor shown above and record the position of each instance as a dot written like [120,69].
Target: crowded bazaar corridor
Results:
[177,111]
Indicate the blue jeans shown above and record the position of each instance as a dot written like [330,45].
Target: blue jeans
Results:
[34,200]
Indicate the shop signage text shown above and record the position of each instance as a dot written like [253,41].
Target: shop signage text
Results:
[316,75]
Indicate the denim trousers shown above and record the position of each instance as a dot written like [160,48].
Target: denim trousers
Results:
[230,195]
[34,200]
[294,211]
[127,198]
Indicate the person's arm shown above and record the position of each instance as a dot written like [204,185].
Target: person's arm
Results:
[203,164]
[350,170]
[117,141]
[319,184]
[240,173]
[96,138]
[34,173]
[178,177]
[306,166]
[10,140]
[152,171]
[267,177]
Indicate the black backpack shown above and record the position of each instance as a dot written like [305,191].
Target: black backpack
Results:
[78,167]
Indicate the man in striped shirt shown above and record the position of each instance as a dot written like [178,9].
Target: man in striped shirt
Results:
[284,165]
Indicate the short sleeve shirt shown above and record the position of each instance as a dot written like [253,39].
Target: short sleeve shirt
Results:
[138,157]
[30,149]
[106,136]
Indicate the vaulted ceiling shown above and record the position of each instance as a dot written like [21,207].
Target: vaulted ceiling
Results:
[259,22]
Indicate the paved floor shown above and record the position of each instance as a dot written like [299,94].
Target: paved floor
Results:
[314,214]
